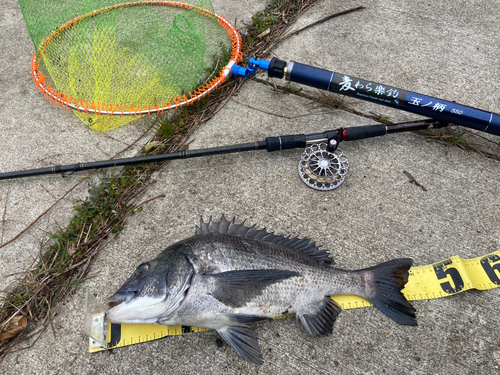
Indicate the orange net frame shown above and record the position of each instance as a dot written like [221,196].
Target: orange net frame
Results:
[123,61]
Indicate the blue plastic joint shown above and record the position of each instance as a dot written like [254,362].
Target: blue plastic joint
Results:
[239,71]
[253,64]
[261,64]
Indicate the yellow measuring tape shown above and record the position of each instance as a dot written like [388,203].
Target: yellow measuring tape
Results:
[442,279]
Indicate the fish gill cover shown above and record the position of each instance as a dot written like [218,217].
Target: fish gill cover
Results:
[118,57]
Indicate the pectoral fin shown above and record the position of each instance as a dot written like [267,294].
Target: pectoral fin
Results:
[241,337]
[236,288]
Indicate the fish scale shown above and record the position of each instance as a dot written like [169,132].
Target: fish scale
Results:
[228,276]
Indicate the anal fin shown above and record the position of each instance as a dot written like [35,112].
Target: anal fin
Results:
[320,321]
[241,337]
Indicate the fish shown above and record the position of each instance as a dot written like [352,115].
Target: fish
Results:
[228,276]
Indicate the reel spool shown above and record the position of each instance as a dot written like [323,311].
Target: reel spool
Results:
[321,169]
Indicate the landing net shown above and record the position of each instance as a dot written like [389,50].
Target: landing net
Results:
[111,63]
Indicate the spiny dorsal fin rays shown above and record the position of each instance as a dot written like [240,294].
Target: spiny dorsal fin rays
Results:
[225,226]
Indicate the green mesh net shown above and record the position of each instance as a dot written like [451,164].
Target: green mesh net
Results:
[124,58]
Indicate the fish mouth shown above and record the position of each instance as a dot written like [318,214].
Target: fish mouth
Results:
[127,307]
[118,298]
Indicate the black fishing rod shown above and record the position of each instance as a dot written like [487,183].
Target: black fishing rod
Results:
[322,166]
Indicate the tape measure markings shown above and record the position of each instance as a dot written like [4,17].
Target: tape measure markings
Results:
[452,276]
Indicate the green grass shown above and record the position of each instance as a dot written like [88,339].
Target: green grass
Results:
[268,18]
[288,88]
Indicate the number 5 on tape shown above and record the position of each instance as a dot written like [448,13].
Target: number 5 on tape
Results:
[442,279]
[452,276]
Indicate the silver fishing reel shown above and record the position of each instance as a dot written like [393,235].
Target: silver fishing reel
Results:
[321,169]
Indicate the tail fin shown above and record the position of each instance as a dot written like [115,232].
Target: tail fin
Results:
[384,283]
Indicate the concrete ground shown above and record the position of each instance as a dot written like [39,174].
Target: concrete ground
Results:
[447,49]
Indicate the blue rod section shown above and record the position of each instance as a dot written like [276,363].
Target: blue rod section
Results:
[389,96]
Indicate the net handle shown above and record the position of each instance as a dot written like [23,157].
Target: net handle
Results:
[98,108]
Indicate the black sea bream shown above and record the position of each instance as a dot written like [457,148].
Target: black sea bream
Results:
[228,275]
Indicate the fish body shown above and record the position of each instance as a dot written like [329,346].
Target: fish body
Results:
[228,275]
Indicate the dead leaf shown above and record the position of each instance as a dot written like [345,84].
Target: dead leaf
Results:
[151,145]
[15,327]
[264,33]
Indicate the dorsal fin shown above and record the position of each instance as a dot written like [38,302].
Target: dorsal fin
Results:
[225,226]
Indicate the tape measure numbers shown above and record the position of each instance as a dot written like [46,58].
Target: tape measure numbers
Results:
[442,279]
[452,276]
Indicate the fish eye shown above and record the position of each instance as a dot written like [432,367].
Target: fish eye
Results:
[142,269]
